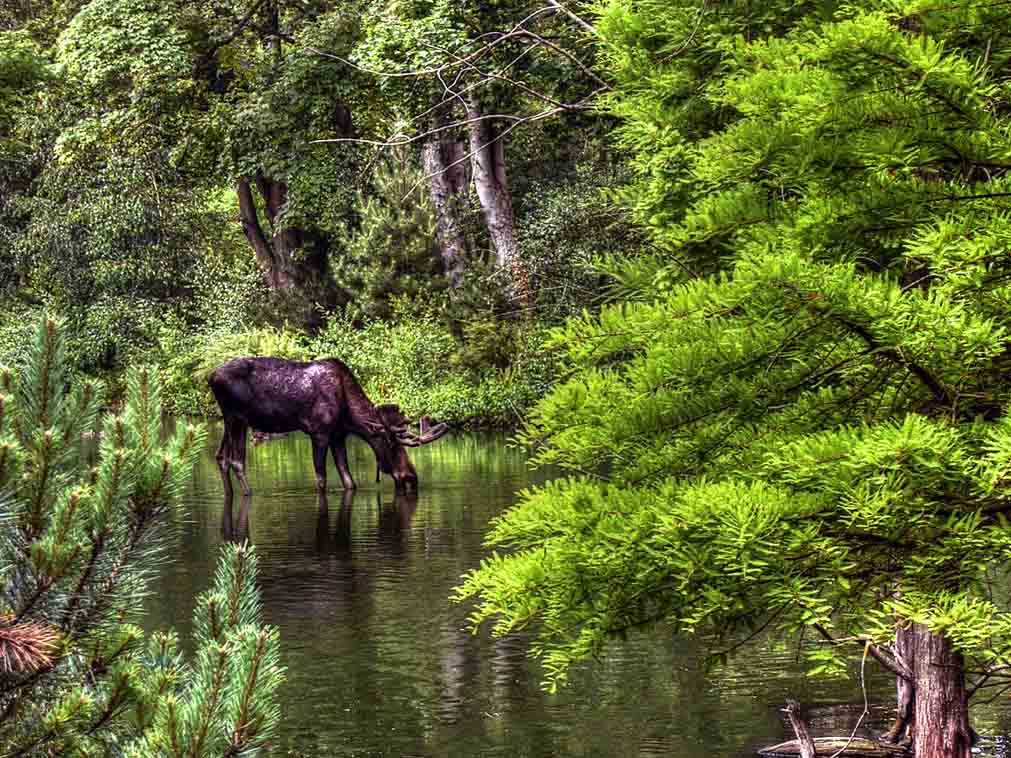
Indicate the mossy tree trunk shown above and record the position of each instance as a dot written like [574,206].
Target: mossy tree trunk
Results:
[444,161]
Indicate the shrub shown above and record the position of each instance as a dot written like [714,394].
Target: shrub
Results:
[487,377]
[566,230]
[188,357]
[393,253]
[418,363]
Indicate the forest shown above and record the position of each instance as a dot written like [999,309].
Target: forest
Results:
[739,272]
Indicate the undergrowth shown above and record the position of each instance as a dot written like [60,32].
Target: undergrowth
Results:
[485,377]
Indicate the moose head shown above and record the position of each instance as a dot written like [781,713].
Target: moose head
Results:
[392,435]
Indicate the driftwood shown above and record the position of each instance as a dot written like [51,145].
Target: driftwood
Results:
[827,747]
[805,745]
[824,747]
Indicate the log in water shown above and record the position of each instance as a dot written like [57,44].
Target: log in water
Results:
[828,746]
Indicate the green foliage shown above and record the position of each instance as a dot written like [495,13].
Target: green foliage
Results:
[131,57]
[113,202]
[83,529]
[393,252]
[16,333]
[568,228]
[417,363]
[224,704]
[436,35]
[487,377]
[95,224]
[798,419]
[126,123]
[22,66]
[189,358]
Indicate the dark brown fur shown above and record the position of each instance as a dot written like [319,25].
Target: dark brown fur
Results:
[322,399]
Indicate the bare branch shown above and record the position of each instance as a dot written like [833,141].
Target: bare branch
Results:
[485,75]
[565,54]
[400,140]
[467,156]
[579,21]
[516,31]
[499,37]
[240,26]
[473,85]
[878,653]
[896,356]
[684,45]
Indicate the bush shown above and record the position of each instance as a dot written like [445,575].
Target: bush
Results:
[483,380]
[16,333]
[566,230]
[394,251]
[483,373]
[187,357]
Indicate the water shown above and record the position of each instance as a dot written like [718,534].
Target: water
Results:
[380,662]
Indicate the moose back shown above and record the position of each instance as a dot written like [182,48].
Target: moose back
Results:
[322,399]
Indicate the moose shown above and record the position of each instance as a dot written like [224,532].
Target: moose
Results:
[322,399]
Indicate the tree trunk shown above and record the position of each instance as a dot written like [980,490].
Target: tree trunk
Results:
[488,161]
[446,182]
[902,729]
[934,706]
[250,221]
[274,253]
[799,724]
[293,270]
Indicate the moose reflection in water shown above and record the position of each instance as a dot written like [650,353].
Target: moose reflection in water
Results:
[394,522]
[322,399]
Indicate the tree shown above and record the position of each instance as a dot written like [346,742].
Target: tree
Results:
[82,532]
[799,419]
[154,109]
[294,197]
[464,75]
[100,217]
[394,250]
[22,68]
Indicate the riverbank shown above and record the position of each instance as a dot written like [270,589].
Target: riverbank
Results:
[484,377]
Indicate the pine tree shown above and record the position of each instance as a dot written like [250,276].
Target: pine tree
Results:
[799,420]
[81,534]
[394,251]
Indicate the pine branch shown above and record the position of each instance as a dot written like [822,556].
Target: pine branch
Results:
[895,356]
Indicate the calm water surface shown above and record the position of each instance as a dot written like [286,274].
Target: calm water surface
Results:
[380,662]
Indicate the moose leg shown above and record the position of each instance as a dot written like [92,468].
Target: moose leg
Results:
[319,448]
[340,459]
[235,431]
[222,457]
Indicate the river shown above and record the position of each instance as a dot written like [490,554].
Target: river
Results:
[381,663]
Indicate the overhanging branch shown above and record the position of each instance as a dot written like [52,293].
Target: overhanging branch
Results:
[940,394]
[877,652]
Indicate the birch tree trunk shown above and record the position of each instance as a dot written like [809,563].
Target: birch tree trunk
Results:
[488,162]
